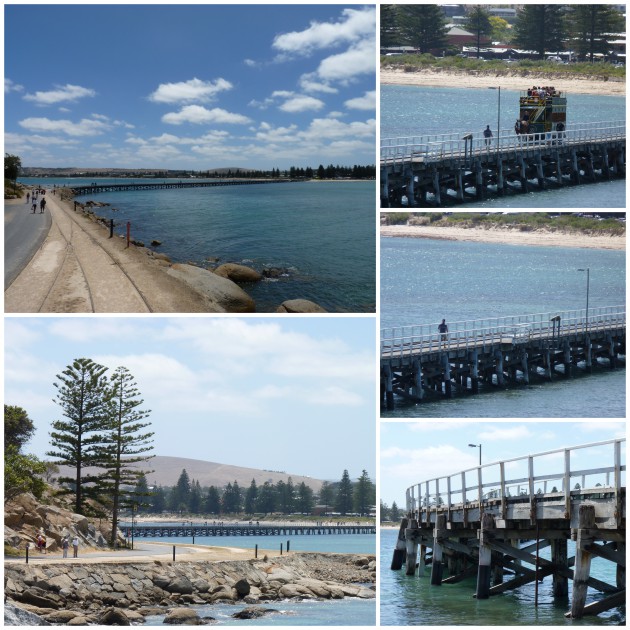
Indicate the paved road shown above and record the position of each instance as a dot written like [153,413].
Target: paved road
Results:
[24,232]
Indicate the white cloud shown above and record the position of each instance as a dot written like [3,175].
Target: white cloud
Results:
[10,86]
[191,91]
[357,60]
[85,127]
[196,114]
[298,104]
[353,25]
[309,83]
[63,93]
[365,102]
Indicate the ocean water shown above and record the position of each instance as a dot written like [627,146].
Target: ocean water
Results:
[425,280]
[412,601]
[414,111]
[320,234]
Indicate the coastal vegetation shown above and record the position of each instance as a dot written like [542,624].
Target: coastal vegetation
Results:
[600,224]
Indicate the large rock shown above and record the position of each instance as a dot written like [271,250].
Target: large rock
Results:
[238,273]
[14,616]
[113,617]
[180,584]
[300,306]
[242,588]
[38,597]
[224,293]
[253,612]
[182,617]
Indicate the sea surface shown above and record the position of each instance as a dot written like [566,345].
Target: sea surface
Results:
[321,235]
[415,111]
[412,601]
[426,280]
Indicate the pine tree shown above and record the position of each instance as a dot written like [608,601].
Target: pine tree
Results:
[364,494]
[195,498]
[540,27]
[422,26]
[180,495]
[18,427]
[84,396]
[394,512]
[478,23]
[344,495]
[389,27]
[127,445]
[158,499]
[592,26]
[212,501]
[326,496]
[141,496]
[305,499]
[250,498]
[266,498]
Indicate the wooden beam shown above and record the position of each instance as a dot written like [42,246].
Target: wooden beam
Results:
[612,601]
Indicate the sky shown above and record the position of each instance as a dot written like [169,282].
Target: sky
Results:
[413,452]
[191,87]
[294,395]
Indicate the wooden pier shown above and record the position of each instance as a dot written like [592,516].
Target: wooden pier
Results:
[187,530]
[482,523]
[418,363]
[101,188]
[448,169]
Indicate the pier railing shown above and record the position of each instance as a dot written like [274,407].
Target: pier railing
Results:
[558,472]
[406,340]
[463,145]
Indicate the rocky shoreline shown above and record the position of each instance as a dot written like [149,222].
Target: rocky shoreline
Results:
[124,593]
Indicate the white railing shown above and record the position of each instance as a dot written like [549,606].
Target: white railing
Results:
[403,341]
[531,476]
[435,147]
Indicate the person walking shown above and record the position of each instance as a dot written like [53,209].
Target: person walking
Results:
[443,330]
[75,547]
[42,205]
[487,134]
[28,197]
[34,207]
[65,544]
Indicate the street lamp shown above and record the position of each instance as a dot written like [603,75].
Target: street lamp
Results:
[588,283]
[479,447]
[498,115]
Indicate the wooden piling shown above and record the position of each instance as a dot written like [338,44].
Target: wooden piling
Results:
[411,550]
[485,557]
[559,557]
[584,537]
[399,552]
[436,564]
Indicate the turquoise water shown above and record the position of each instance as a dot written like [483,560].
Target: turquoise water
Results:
[341,612]
[320,234]
[411,600]
[425,280]
[414,111]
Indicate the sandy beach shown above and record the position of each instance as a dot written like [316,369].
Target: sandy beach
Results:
[538,238]
[431,78]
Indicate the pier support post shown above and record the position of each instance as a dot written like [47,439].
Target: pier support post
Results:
[612,357]
[586,522]
[605,164]
[474,372]
[576,176]
[384,188]
[436,187]
[447,375]
[500,182]
[621,569]
[559,557]
[590,169]
[417,380]
[479,191]
[525,367]
[399,552]
[588,354]
[498,355]
[540,176]
[422,560]
[523,174]
[410,186]
[436,565]
[547,364]
[485,557]
[389,388]
[460,186]
[567,359]
[559,169]
[411,548]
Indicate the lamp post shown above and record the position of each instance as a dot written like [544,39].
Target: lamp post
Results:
[588,283]
[498,115]
[479,447]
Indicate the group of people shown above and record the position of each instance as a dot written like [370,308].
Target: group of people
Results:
[33,200]
[40,542]
[542,92]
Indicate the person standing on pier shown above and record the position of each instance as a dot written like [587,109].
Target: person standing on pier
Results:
[487,134]
[443,330]
[42,205]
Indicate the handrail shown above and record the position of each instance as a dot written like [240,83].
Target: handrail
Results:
[405,340]
[430,494]
[434,147]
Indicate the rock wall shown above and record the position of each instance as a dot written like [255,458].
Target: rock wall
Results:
[69,590]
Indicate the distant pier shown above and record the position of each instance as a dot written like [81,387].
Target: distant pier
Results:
[492,521]
[286,529]
[92,189]
[418,363]
[450,169]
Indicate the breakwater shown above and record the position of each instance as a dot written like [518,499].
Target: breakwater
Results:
[286,529]
[80,593]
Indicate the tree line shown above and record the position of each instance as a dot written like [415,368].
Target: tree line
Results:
[284,497]
[586,29]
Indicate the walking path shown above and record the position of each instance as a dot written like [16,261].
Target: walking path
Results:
[78,269]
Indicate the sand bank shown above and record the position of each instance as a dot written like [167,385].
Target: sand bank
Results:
[430,78]
[541,238]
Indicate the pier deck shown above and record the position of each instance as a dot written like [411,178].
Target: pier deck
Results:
[418,363]
[483,522]
[439,170]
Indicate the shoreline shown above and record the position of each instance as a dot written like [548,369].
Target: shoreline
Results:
[538,238]
[479,79]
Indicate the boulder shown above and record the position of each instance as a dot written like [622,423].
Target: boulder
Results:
[300,306]
[38,597]
[62,616]
[182,617]
[238,273]
[253,612]
[113,617]
[14,616]
[181,585]
[79,621]
[223,293]
[242,588]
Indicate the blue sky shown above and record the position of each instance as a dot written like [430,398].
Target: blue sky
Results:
[413,452]
[283,394]
[195,86]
